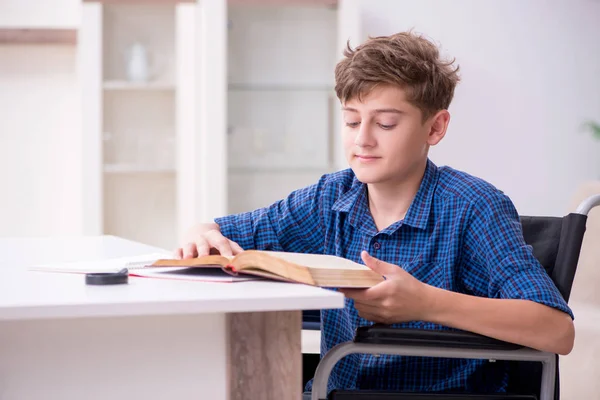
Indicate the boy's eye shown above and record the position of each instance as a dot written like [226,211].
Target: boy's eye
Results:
[386,127]
[352,124]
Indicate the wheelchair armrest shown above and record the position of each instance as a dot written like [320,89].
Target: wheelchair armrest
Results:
[387,335]
[311,326]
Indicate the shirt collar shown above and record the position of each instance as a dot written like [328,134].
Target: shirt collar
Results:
[417,215]
[355,202]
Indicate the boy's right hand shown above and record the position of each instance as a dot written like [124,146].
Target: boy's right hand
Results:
[205,239]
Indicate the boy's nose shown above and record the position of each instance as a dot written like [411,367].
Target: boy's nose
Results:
[364,138]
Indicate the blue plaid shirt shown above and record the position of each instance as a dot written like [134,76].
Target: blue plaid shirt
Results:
[460,234]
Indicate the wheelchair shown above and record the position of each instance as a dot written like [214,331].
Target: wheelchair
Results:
[533,375]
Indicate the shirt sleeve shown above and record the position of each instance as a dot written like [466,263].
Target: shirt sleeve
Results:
[293,224]
[499,263]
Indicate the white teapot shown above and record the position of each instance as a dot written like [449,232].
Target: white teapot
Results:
[138,63]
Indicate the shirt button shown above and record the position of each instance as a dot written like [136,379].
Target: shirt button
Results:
[376,246]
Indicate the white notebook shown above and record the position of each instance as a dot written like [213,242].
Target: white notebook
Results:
[135,266]
[107,265]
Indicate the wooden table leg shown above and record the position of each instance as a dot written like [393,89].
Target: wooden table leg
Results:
[264,356]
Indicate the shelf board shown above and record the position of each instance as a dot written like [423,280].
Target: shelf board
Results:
[38,36]
[327,3]
[274,170]
[139,1]
[278,87]
[116,85]
[135,169]
[141,169]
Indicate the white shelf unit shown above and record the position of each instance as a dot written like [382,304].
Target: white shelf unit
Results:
[281,117]
[185,147]
[139,125]
[147,146]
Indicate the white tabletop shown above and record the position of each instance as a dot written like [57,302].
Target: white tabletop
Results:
[35,295]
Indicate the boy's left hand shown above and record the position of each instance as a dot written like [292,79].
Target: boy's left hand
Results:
[400,298]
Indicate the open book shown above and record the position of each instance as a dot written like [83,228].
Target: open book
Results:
[311,269]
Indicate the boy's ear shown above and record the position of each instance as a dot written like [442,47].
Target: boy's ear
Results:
[438,125]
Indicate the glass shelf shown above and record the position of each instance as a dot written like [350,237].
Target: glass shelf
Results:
[116,85]
[281,170]
[136,169]
[280,87]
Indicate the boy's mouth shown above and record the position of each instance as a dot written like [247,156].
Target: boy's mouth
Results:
[366,158]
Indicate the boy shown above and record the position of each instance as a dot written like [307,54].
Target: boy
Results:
[449,244]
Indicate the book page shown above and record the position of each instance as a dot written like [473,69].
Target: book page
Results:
[318,260]
[339,278]
[312,269]
[215,274]
[263,264]
[210,260]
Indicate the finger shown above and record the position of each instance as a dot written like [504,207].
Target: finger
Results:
[375,314]
[236,248]
[363,295]
[373,317]
[352,293]
[381,267]
[219,242]
[367,308]
[189,250]
[178,253]
[202,247]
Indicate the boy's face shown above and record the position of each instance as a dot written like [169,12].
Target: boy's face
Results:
[385,138]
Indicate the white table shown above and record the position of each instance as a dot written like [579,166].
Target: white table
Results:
[150,339]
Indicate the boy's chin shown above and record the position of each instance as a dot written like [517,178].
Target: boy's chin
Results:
[368,177]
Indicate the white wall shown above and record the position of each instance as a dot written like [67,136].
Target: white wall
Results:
[530,78]
[39,125]
[39,13]
[39,114]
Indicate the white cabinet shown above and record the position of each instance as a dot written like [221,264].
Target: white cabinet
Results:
[238,111]
[134,129]
[281,60]
[143,75]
